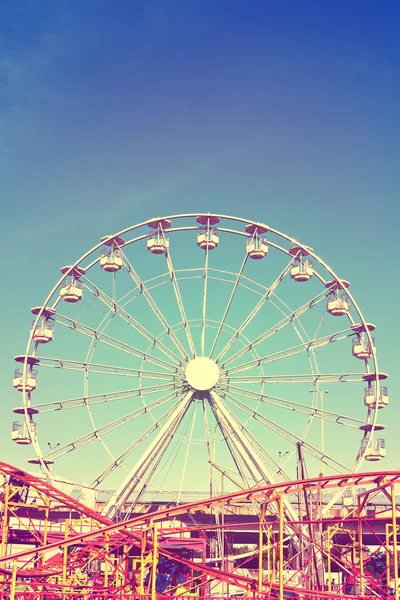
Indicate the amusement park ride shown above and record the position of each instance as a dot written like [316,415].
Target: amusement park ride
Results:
[232,345]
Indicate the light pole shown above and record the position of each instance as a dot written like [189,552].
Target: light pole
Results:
[321,401]
[281,456]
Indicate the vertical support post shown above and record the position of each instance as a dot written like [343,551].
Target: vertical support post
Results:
[64,572]
[154,562]
[320,564]
[329,563]
[46,526]
[223,565]
[13,580]
[106,560]
[395,550]
[6,518]
[387,531]
[260,549]
[204,562]
[65,559]
[353,549]
[117,574]
[142,560]
[269,553]
[360,547]
[281,515]
[125,565]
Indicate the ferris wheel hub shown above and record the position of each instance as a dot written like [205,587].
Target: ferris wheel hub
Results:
[202,374]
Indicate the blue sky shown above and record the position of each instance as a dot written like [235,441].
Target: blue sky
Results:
[286,113]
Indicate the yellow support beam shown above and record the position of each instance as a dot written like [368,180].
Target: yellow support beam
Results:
[281,524]
[269,552]
[154,562]
[6,518]
[395,550]
[260,548]
[142,563]
[106,559]
[360,547]
[13,580]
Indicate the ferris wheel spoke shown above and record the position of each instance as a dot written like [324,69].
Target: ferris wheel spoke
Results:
[269,463]
[123,456]
[131,321]
[255,311]
[189,444]
[87,367]
[179,300]
[101,431]
[204,312]
[288,435]
[144,483]
[56,405]
[287,320]
[208,446]
[250,454]
[231,448]
[228,306]
[154,306]
[298,349]
[162,440]
[298,407]
[239,438]
[100,336]
[298,378]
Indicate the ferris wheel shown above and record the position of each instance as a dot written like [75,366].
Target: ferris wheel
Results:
[198,354]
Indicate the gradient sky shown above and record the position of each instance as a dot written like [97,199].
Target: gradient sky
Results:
[282,112]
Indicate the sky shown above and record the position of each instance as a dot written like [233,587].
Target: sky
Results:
[280,112]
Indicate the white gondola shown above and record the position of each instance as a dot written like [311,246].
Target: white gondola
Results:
[369,397]
[30,382]
[207,239]
[376,450]
[111,259]
[338,305]
[338,302]
[362,348]
[257,248]
[20,433]
[44,330]
[158,242]
[256,245]
[207,236]
[302,269]
[71,290]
